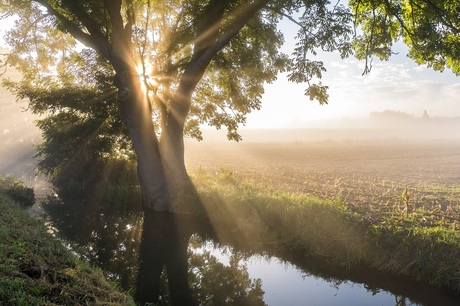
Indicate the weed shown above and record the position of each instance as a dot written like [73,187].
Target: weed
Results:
[405,199]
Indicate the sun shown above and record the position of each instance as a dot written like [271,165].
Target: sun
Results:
[141,72]
[148,82]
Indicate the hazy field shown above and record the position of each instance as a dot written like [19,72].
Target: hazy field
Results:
[364,166]
[368,175]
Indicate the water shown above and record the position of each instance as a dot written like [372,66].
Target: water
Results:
[285,284]
[200,267]
[288,284]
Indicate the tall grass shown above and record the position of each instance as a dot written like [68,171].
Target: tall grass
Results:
[37,269]
[258,214]
[249,213]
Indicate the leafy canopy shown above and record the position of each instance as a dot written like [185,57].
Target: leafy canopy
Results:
[430,28]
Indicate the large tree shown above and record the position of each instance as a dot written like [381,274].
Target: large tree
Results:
[168,66]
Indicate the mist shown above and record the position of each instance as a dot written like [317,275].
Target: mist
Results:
[18,139]
[388,125]
[19,136]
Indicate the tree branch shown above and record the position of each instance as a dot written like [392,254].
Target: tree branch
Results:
[93,27]
[197,66]
[440,13]
[281,13]
[121,36]
[113,8]
[242,16]
[208,30]
[93,40]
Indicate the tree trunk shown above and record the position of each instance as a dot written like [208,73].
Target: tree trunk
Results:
[172,138]
[173,155]
[136,114]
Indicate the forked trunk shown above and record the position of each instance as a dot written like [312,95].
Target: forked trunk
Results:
[173,156]
[135,111]
[161,165]
[172,139]
[136,114]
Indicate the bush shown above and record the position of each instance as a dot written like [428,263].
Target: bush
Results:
[17,191]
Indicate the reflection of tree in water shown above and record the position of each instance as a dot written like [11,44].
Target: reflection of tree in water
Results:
[170,272]
[112,240]
[105,236]
[400,300]
[214,283]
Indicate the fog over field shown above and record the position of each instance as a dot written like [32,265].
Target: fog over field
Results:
[19,136]
[388,125]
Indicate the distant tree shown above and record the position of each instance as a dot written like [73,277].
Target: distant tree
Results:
[425,115]
[178,64]
[389,115]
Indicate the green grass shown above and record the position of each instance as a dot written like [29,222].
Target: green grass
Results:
[427,253]
[257,214]
[17,191]
[37,269]
[421,244]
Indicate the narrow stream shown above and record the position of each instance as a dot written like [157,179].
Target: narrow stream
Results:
[133,249]
[286,284]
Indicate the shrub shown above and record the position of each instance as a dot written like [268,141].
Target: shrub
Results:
[17,191]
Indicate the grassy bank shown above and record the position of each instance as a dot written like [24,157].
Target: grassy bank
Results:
[37,269]
[399,243]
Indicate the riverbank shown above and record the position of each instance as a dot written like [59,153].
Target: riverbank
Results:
[37,269]
[410,244]
[419,245]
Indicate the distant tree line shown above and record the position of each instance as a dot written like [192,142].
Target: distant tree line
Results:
[392,116]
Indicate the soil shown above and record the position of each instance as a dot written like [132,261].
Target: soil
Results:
[369,176]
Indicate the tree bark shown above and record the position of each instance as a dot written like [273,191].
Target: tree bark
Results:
[207,44]
[136,114]
[172,150]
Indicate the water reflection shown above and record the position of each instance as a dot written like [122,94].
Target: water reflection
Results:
[170,259]
[153,255]
[193,278]
[164,245]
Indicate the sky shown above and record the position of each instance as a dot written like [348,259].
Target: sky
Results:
[398,84]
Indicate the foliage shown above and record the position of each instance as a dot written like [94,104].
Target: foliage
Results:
[217,284]
[429,27]
[17,191]
[71,83]
[80,123]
